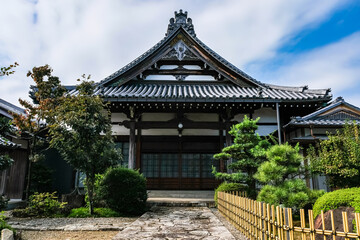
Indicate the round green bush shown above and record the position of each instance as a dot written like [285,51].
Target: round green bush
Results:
[124,190]
[229,187]
[349,197]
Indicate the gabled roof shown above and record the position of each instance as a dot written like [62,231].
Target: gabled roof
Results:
[337,113]
[163,47]
[179,47]
[6,108]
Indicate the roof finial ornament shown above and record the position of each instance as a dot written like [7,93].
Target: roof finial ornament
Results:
[182,20]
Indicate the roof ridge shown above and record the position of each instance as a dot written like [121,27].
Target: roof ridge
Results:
[302,89]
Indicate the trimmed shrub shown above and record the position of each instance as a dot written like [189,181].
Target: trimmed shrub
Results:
[124,190]
[83,212]
[349,197]
[229,187]
[41,205]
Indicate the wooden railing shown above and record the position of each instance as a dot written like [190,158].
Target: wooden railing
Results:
[258,220]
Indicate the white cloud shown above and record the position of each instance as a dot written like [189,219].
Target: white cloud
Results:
[99,37]
[335,66]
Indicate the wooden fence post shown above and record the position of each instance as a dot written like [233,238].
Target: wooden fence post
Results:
[332,224]
[311,225]
[345,224]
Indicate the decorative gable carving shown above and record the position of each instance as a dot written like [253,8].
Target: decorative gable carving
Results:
[180,52]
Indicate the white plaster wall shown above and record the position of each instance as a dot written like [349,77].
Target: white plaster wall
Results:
[323,130]
[118,117]
[202,117]
[266,130]
[239,117]
[120,130]
[157,116]
[266,115]
[200,132]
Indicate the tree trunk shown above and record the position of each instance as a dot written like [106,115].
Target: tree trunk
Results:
[90,178]
[27,190]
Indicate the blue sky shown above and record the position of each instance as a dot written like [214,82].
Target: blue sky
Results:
[282,42]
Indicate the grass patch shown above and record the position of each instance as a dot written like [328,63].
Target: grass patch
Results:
[83,212]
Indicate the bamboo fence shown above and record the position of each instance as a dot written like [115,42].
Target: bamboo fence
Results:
[261,221]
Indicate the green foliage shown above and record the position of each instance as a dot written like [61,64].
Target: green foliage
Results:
[97,200]
[246,154]
[124,190]
[284,162]
[98,212]
[338,157]
[292,193]
[5,129]
[280,174]
[41,205]
[229,187]
[4,224]
[349,197]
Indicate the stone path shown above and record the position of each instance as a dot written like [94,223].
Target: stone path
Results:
[176,223]
[158,223]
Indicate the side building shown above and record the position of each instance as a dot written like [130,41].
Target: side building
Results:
[316,126]
[12,180]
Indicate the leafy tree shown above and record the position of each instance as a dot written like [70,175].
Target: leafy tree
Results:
[5,129]
[82,134]
[338,157]
[246,154]
[32,125]
[5,123]
[281,174]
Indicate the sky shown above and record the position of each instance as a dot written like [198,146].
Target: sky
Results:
[282,42]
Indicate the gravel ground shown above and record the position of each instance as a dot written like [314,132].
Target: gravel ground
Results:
[67,235]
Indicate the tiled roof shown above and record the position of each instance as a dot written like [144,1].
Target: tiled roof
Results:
[334,118]
[6,143]
[135,91]
[6,108]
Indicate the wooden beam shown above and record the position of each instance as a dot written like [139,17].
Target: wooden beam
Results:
[174,124]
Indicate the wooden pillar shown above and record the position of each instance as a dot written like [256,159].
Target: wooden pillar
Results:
[227,129]
[138,149]
[221,143]
[278,121]
[132,163]
[228,140]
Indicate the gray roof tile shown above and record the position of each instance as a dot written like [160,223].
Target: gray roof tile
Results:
[134,90]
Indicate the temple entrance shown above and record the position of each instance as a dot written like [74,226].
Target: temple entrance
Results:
[178,170]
